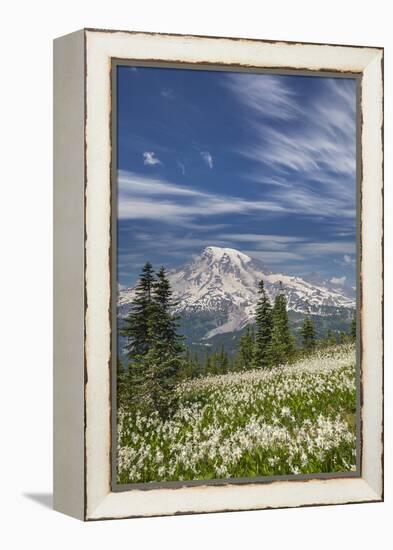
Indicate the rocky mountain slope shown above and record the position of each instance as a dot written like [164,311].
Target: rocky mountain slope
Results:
[217,291]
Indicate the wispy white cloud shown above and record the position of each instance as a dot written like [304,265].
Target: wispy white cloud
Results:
[274,180]
[274,257]
[314,151]
[168,93]
[177,247]
[255,237]
[289,247]
[330,247]
[153,194]
[150,158]
[264,242]
[268,96]
[142,197]
[164,210]
[133,184]
[309,201]
[339,281]
[349,260]
[182,167]
[207,157]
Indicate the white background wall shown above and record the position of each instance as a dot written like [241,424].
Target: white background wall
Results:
[27,29]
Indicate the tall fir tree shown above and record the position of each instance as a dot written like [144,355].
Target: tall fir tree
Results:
[217,362]
[123,386]
[352,330]
[245,349]
[330,338]
[344,338]
[136,329]
[137,332]
[197,367]
[154,347]
[187,371]
[308,334]
[263,334]
[165,360]
[222,361]
[282,345]
[192,366]
[209,367]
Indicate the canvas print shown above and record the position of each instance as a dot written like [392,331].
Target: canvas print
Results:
[236,273]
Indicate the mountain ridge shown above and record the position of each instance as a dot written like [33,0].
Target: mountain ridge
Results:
[220,284]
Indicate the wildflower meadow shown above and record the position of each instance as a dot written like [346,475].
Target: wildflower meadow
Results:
[296,418]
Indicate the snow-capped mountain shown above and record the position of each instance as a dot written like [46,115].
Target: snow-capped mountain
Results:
[220,286]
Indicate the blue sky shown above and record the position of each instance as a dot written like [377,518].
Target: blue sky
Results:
[262,163]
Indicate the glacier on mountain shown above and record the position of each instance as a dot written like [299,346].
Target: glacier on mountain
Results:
[225,281]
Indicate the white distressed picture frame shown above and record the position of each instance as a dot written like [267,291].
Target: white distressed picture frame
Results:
[82,336]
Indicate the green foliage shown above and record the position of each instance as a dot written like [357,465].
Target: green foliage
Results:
[272,343]
[308,335]
[264,326]
[296,419]
[344,338]
[154,348]
[246,349]
[222,361]
[123,386]
[163,324]
[217,362]
[192,367]
[161,372]
[137,329]
[352,330]
[282,344]
[330,338]
[158,359]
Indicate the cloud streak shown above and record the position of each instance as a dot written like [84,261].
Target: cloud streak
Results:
[268,96]
[262,163]
[207,157]
[314,152]
[168,93]
[141,197]
[340,281]
[150,159]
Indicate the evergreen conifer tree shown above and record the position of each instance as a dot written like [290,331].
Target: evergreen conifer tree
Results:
[282,346]
[246,349]
[263,334]
[208,364]
[137,324]
[222,361]
[154,348]
[330,338]
[165,358]
[343,338]
[308,335]
[187,371]
[352,330]
[123,385]
[196,366]
[215,366]
[137,331]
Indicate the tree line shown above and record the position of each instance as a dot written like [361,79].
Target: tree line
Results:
[269,342]
[157,358]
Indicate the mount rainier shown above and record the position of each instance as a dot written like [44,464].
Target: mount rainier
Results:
[216,294]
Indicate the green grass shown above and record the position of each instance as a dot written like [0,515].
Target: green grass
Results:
[294,419]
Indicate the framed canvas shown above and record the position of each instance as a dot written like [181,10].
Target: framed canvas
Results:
[218,265]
